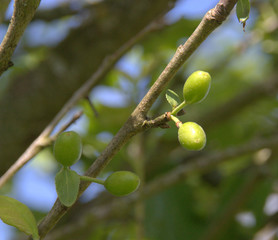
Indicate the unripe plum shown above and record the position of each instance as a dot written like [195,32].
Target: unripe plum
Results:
[196,87]
[192,136]
[122,183]
[67,148]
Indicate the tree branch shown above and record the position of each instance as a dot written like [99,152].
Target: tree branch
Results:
[160,121]
[212,19]
[228,109]
[134,124]
[43,138]
[104,211]
[22,15]
[34,149]
[65,68]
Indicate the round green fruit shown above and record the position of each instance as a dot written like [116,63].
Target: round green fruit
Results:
[122,183]
[67,148]
[196,87]
[192,136]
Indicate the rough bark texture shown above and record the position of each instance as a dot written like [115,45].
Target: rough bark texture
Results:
[33,99]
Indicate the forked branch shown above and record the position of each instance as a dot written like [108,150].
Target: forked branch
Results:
[135,123]
[44,138]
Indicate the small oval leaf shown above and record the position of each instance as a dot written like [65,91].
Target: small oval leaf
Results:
[15,213]
[172,98]
[67,185]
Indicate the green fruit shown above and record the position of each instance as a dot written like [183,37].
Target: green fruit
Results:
[196,87]
[192,136]
[122,183]
[67,148]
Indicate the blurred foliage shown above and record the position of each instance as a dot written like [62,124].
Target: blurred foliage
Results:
[237,62]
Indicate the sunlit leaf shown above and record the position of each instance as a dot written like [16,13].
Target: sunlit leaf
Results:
[172,98]
[15,213]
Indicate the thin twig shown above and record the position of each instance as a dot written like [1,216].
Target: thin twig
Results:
[34,149]
[209,23]
[74,118]
[228,109]
[22,15]
[160,121]
[82,92]
[134,124]
[92,107]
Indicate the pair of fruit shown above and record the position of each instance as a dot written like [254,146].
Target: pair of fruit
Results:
[191,135]
[68,145]
[67,151]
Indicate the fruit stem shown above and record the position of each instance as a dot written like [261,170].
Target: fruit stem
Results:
[90,179]
[176,120]
[178,108]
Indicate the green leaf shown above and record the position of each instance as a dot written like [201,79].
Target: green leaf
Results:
[67,186]
[242,11]
[15,213]
[172,98]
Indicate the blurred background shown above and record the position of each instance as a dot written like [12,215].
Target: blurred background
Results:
[235,197]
